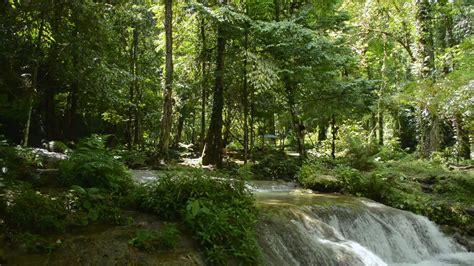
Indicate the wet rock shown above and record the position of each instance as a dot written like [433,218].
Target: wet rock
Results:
[50,159]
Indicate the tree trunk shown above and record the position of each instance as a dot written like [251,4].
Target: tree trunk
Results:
[380,126]
[167,106]
[322,131]
[334,134]
[136,88]
[179,130]
[245,102]
[298,127]
[462,137]
[204,58]
[33,83]
[212,153]
[71,113]
[429,140]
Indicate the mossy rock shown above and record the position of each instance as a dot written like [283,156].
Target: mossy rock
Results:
[322,183]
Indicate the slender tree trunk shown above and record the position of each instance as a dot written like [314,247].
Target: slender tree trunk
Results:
[193,128]
[204,58]
[179,129]
[227,127]
[71,113]
[381,126]
[245,102]
[298,127]
[132,94]
[334,135]
[167,106]
[136,88]
[213,148]
[34,82]
[463,139]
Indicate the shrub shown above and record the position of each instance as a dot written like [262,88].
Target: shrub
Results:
[16,163]
[30,210]
[169,236]
[276,165]
[91,165]
[353,180]
[133,159]
[314,174]
[245,171]
[221,213]
[93,205]
[360,153]
[36,243]
[151,240]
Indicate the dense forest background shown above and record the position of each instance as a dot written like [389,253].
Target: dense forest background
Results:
[309,76]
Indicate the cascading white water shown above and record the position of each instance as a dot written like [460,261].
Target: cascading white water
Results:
[316,229]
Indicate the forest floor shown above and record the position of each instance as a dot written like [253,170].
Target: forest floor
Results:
[105,244]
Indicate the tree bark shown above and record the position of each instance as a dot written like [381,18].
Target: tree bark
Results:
[212,153]
[204,58]
[179,129]
[334,135]
[245,101]
[167,106]
[298,126]
[429,124]
[34,82]
[463,139]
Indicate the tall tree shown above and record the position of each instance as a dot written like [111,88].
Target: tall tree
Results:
[429,126]
[212,153]
[166,120]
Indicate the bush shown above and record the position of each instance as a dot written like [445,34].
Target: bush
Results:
[316,175]
[360,153]
[91,165]
[32,211]
[133,159]
[16,163]
[376,185]
[245,171]
[91,205]
[221,213]
[151,240]
[276,165]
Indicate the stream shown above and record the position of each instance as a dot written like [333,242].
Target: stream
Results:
[296,227]
[299,227]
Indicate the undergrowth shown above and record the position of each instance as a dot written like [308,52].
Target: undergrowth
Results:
[421,186]
[221,213]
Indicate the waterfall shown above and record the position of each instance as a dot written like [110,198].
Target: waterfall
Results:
[317,229]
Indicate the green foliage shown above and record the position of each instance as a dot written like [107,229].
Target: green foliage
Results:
[276,165]
[16,163]
[133,158]
[91,205]
[151,240]
[245,171]
[169,236]
[36,243]
[221,213]
[317,175]
[359,153]
[91,165]
[32,211]
[145,240]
